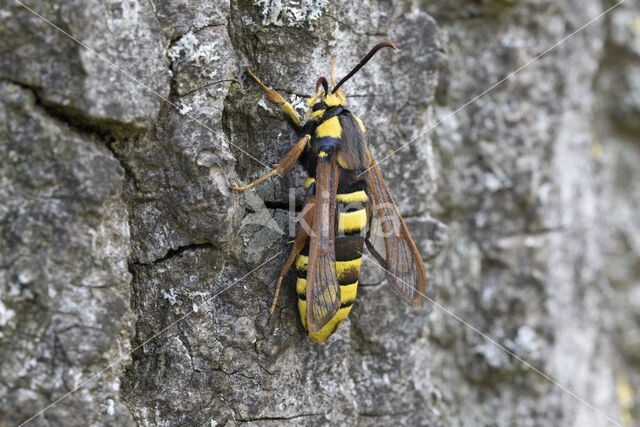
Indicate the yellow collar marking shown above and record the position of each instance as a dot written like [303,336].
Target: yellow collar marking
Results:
[333,100]
[330,128]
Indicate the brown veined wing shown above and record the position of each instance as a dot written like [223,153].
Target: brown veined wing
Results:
[323,288]
[405,270]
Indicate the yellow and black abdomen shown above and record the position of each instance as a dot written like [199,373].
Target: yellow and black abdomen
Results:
[351,218]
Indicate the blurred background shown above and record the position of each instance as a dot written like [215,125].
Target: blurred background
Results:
[122,124]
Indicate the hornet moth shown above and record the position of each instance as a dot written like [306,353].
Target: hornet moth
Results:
[343,189]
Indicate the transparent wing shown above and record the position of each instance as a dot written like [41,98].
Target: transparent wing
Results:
[405,269]
[323,289]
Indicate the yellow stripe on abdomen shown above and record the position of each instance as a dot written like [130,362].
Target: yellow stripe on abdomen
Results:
[301,286]
[344,268]
[355,197]
[350,222]
[348,293]
[347,298]
[329,328]
[302,261]
[308,182]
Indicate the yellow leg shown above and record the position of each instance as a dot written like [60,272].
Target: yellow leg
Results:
[339,92]
[285,166]
[333,68]
[276,98]
[256,182]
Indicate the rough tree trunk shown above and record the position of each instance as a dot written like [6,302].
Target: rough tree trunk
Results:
[121,244]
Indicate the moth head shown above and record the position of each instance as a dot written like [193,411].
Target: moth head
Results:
[323,99]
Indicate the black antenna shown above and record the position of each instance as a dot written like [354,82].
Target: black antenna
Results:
[364,61]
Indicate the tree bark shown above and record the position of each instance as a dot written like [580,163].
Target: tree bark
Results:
[122,247]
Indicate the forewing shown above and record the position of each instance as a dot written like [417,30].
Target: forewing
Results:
[323,289]
[405,269]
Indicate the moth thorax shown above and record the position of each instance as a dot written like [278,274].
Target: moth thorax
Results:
[333,100]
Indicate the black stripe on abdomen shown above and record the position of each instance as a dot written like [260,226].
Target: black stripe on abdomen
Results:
[349,247]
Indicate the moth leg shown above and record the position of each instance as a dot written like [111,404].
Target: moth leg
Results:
[298,244]
[339,92]
[285,165]
[333,68]
[276,98]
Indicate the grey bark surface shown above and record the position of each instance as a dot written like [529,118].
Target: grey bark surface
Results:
[121,246]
